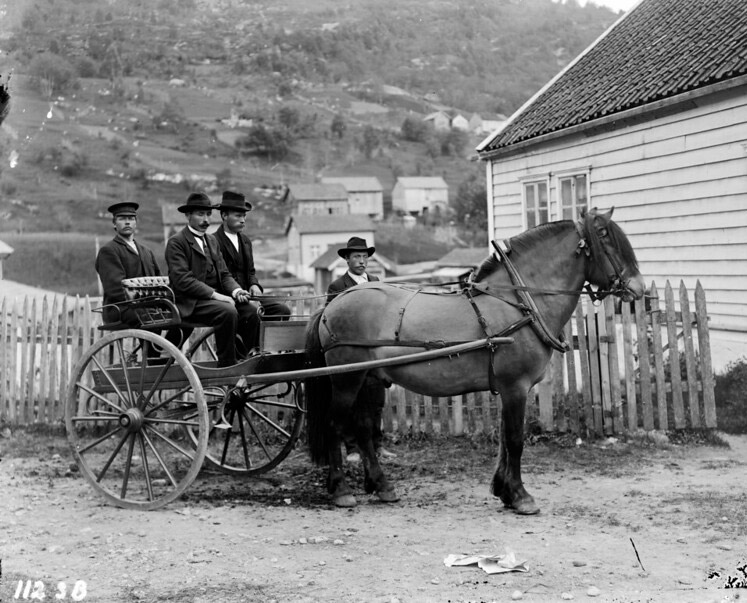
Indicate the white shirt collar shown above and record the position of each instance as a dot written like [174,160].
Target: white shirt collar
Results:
[234,238]
[199,237]
[363,278]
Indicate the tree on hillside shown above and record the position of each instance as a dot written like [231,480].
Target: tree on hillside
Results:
[370,141]
[51,74]
[272,143]
[470,204]
[338,126]
[415,129]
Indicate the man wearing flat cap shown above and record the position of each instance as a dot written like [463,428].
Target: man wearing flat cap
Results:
[236,248]
[205,291]
[121,258]
[371,397]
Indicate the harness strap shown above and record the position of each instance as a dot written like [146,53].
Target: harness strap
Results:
[538,323]
[398,328]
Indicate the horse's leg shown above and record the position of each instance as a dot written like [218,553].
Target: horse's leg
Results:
[507,482]
[369,399]
[344,390]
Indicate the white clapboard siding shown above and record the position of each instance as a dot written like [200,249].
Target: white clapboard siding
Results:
[678,184]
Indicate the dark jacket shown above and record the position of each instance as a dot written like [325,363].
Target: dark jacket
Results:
[188,270]
[116,261]
[245,274]
[344,282]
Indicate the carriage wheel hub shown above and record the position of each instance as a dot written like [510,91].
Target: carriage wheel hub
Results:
[132,419]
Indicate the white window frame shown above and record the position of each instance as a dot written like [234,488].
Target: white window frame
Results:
[536,180]
[571,175]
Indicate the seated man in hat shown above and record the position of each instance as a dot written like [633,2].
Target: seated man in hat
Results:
[205,291]
[121,258]
[371,397]
[236,248]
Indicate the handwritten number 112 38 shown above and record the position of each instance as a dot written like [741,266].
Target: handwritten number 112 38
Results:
[34,590]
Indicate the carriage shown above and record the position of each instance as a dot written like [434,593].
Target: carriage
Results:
[144,415]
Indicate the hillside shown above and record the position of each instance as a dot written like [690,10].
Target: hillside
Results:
[149,100]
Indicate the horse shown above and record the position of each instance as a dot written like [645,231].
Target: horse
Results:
[528,291]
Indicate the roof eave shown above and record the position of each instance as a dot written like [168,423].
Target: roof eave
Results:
[679,102]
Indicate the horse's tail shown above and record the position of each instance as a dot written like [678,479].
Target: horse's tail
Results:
[318,392]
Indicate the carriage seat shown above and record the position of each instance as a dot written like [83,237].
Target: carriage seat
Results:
[152,301]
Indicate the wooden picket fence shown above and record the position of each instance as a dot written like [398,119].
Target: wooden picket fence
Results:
[646,367]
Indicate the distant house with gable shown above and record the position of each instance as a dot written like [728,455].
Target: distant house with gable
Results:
[440,119]
[420,194]
[459,122]
[365,194]
[318,199]
[309,236]
[458,264]
[5,251]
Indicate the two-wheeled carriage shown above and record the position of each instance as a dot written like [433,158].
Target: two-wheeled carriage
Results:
[143,415]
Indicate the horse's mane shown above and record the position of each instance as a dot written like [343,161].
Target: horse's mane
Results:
[528,239]
[521,242]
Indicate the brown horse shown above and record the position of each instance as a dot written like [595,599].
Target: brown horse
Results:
[529,292]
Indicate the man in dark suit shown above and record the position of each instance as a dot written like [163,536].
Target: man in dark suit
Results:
[371,397]
[236,249]
[205,291]
[123,257]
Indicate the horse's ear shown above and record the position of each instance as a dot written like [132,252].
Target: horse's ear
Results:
[607,216]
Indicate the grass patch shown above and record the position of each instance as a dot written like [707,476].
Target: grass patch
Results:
[731,398]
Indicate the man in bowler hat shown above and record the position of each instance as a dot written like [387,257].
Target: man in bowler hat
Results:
[236,248]
[123,257]
[205,291]
[371,397]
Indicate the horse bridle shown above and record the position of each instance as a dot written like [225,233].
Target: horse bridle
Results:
[618,285]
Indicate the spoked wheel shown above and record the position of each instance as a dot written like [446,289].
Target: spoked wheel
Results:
[253,428]
[201,346]
[125,414]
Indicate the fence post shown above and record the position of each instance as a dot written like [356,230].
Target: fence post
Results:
[706,368]
[4,363]
[53,397]
[570,363]
[594,368]
[690,365]
[678,407]
[631,395]
[583,355]
[610,344]
[661,392]
[14,394]
[644,364]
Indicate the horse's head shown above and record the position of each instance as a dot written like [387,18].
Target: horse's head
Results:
[613,265]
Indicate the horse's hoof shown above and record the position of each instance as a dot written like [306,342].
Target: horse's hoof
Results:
[388,496]
[525,507]
[346,501]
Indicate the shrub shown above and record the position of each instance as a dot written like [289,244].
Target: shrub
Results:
[731,397]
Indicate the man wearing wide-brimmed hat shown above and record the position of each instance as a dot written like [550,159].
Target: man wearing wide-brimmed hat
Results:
[236,248]
[122,257]
[371,397]
[205,291]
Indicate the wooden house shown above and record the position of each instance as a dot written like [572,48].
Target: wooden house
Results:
[5,252]
[309,236]
[418,195]
[365,194]
[651,119]
[440,119]
[318,199]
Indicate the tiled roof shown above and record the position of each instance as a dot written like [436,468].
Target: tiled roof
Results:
[355,184]
[350,224]
[661,48]
[318,192]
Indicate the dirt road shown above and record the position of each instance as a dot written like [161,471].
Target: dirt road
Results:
[682,509]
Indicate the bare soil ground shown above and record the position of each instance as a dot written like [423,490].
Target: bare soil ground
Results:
[680,507]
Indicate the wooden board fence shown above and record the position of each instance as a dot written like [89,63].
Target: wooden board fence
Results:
[645,365]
